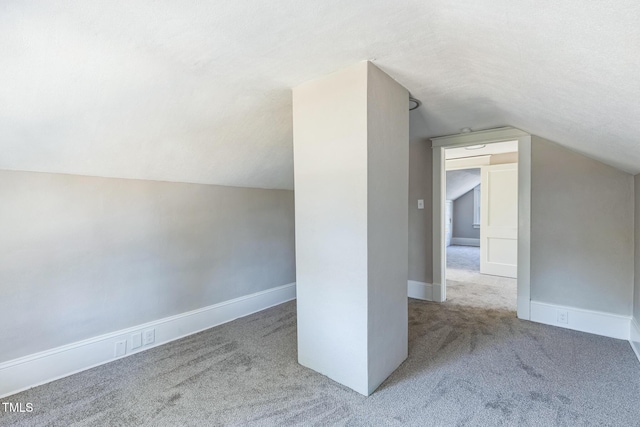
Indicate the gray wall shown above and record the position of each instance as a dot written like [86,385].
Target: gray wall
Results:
[83,256]
[420,187]
[463,217]
[581,244]
[636,300]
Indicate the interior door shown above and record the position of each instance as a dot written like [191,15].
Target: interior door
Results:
[499,220]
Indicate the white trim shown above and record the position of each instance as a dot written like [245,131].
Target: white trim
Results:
[465,241]
[40,368]
[479,137]
[524,228]
[524,203]
[467,163]
[578,319]
[634,337]
[420,290]
[437,292]
[477,200]
[439,251]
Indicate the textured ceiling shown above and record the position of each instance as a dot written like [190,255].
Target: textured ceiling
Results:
[460,182]
[200,91]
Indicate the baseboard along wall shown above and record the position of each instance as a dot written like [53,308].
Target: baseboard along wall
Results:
[465,241]
[420,290]
[593,322]
[40,368]
[634,337]
[424,291]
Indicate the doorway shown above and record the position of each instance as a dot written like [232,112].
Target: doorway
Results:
[481,224]
[519,218]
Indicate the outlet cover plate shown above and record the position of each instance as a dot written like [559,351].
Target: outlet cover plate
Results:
[136,340]
[563,316]
[121,348]
[149,336]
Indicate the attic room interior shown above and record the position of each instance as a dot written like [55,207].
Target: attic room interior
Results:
[338,213]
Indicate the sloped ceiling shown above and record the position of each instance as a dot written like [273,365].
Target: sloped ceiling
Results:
[460,182]
[200,91]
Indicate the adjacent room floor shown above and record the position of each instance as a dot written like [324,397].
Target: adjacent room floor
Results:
[463,278]
[471,362]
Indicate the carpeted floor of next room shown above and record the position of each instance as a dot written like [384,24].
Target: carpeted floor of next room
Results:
[471,362]
[463,278]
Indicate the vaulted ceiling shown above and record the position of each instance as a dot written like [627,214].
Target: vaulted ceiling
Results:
[200,91]
[460,182]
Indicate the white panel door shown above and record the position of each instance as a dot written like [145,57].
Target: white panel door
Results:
[499,220]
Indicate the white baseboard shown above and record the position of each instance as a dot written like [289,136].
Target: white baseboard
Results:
[465,241]
[634,337]
[438,293]
[424,291]
[40,368]
[420,290]
[593,322]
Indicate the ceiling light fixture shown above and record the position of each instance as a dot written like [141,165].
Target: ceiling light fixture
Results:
[475,147]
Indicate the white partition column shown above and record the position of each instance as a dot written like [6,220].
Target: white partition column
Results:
[351,155]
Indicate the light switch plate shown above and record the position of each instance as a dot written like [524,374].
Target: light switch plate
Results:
[420,204]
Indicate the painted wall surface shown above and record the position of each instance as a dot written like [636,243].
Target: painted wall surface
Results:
[388,190]
[463,217]
[636,299]
[420,187]
[351,179]
[500,159]
[330,169]
[83,256]
[581,244]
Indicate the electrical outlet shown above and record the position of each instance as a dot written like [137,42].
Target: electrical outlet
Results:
[563,316]
[121,348]
[149,336]
[136,340]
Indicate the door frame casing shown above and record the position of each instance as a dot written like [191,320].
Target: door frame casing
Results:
[524,207]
